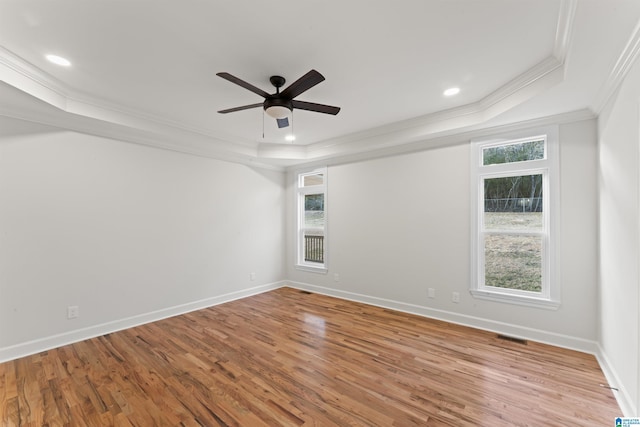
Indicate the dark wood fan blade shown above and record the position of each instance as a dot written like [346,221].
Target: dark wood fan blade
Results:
[303,84]
[318,108]
[283,123]
[244,107]
[239,82]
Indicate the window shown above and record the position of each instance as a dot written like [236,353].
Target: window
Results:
[513,202]
[312,223]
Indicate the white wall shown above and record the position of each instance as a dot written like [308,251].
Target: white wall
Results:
[399,225]
[619,183]
[124,232]
[131,233]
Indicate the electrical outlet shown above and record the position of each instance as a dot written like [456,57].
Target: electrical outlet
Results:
[336,277]
[431,293]
[252,276]
[455,297]
[73,311]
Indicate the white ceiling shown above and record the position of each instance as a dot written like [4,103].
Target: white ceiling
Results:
[144,70]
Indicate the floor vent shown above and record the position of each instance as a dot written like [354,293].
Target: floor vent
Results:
[512,339]
[306,292]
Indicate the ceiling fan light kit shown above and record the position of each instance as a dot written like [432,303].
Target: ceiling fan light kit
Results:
[280,104]
[277,111]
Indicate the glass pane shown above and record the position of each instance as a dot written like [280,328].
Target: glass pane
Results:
[530,150]
[513,262]
[314,246]
[314,211]
[513,203]
[315,179]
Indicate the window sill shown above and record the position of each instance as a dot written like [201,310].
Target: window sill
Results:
[312,269]
[516,299]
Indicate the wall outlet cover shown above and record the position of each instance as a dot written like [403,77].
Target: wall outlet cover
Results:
[73,311]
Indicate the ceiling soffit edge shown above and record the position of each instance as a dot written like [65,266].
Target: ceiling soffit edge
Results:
[193,146]
[371,149]
[444,139]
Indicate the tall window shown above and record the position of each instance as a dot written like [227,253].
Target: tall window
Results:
[513,228]
[312,225]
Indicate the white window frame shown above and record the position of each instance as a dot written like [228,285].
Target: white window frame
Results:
[301,192]
[549,297]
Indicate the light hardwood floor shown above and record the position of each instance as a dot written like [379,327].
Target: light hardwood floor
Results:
[290,358]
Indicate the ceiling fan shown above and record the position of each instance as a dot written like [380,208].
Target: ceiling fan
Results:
[280,104]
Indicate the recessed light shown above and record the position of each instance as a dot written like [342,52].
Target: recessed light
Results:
[452,91]
[290,138]
[58,60]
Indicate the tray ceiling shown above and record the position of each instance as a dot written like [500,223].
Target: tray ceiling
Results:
[145,70]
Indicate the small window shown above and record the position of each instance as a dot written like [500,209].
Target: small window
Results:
[512,227]
[312,179]
[513,152]
[312,226]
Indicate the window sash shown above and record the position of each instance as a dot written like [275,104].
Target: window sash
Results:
[544,270]
[548,297]
[480,211]
[508,170]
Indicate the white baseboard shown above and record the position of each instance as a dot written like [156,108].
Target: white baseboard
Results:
[541,336]
[619,390]
[43,344]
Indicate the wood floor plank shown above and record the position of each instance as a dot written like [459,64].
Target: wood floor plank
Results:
[290,358]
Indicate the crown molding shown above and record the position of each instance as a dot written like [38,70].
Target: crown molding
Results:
[625,61]
[445,139]
[565,29]
[114,113]
[174,142]
[22,75]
